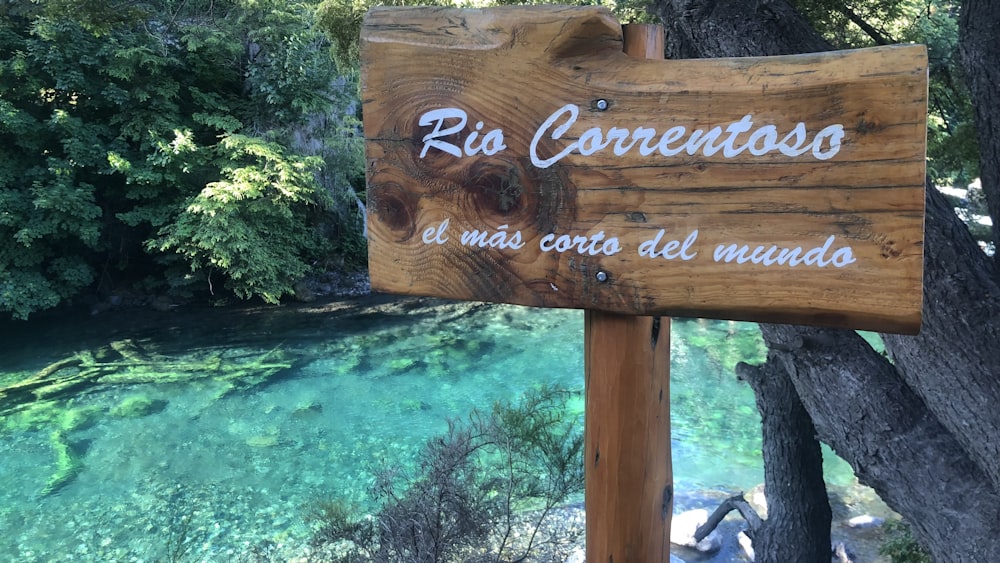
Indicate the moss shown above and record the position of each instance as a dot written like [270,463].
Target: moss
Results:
[262,441]
[402,364]
[46,414]
[137,406]
[77,418]
[31,417]
[68,464]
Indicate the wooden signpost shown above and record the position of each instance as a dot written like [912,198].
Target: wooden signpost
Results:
[517,155]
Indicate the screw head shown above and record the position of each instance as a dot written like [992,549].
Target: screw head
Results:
[601,104]
[602,276]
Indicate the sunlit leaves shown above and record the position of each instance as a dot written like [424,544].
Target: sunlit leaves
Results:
[249,224]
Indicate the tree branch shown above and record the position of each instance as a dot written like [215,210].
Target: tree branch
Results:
[735,502]
[879,37]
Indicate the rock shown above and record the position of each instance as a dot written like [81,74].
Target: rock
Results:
[865,521]
[684,525]
[746,544]
[137,406]
[262,441]
[758,500]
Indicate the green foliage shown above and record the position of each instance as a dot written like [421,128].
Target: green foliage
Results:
[900,546]
[487,479]
[118,120]
[137,406]
[250,225]
[728,342]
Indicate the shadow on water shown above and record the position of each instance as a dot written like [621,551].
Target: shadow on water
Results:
[202,433]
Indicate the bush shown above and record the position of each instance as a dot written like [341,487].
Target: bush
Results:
[487,478]
[900,545]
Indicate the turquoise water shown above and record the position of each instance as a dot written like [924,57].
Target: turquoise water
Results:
[219,468]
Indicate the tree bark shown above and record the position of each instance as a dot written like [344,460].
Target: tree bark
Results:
[979,45]
[797,527]
[719,28]
[920,429]
[864,410]
[953,363]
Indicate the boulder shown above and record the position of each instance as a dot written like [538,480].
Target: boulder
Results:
[683,527]
[865,521]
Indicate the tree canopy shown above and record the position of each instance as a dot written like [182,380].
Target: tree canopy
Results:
[170,144]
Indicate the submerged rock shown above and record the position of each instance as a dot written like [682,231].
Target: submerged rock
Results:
[262,441]
[138,406]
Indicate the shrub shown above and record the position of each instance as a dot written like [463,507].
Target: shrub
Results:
[900,546]
[489,476]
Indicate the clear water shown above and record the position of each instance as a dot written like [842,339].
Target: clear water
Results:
[218,468]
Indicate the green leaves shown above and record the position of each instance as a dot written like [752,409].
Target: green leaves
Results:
[197,140]
[250,225]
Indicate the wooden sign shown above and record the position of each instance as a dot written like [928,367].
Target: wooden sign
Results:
[516,155]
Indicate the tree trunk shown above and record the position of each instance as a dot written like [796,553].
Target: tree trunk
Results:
[798,510]
[979,44]
[920,429]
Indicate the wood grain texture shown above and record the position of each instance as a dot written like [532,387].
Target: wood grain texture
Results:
[627,439]
[629,478]
[512,68]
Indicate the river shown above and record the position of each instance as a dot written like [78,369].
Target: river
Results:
[215,429]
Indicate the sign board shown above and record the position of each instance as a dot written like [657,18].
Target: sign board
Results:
[516,155]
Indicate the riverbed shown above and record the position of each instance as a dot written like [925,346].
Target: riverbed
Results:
[214,430]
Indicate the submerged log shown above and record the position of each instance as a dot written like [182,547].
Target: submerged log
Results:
[125,362]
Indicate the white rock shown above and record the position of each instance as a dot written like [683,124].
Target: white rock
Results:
[746,544]
[684,525]
[865,521]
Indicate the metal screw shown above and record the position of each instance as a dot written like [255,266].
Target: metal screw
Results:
[602,276]
[601,104]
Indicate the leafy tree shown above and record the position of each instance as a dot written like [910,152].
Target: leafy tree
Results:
[952,150]
[124,123]
[244,224]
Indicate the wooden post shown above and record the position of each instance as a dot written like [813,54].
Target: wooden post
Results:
[629,477]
